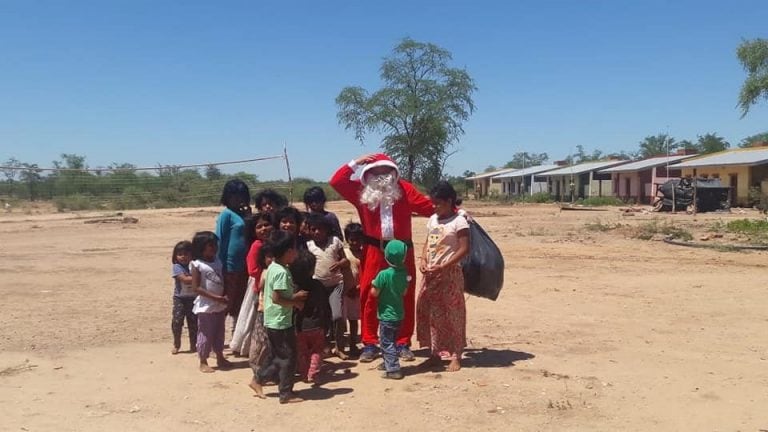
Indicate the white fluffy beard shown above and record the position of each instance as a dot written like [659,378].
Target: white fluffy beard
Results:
[380,189]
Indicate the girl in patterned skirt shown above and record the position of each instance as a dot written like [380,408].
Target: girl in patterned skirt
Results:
[440,310]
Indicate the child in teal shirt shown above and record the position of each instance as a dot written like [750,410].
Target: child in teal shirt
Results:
[390,286]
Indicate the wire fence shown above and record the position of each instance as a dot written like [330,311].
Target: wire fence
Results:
[71,185]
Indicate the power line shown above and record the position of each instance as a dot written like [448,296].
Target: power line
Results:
[155,168]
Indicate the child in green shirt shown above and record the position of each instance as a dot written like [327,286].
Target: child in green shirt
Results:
[279,301]
[390,286]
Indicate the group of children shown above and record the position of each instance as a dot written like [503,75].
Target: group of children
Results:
[303,286]
[302,290]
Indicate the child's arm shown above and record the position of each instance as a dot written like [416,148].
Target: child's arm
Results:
[296,300]
[423,259]
[200,291]
[183,278]
[374,291]
[278,290]
[341,259]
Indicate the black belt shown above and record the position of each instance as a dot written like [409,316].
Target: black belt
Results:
[372,241]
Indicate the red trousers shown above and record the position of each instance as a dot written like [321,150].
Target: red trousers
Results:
[373,262]
[310,345]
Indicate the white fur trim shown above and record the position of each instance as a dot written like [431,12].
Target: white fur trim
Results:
[379,163]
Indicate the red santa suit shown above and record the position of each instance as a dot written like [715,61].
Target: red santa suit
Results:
[397,223]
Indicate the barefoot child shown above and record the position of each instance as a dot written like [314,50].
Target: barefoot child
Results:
[260,352]
[353,232]
[279,301]
[390,286]
[440,309]
[210,303]
[329,254]
[183,296]
[312,320]
[259,225]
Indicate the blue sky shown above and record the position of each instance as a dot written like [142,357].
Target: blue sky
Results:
[150,81]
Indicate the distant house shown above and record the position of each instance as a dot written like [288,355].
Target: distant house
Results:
[739,169]
[484,184]
[637,181]
[524,181]
[581,181]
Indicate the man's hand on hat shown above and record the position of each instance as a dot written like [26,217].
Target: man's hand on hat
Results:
[366,159]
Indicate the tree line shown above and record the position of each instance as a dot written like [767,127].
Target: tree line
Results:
[72,185]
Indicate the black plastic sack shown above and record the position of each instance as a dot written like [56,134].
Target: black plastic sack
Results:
[483,267]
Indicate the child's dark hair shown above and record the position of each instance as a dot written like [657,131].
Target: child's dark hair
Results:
[277,199]
[182,246]
[303,267]
[353,229]
[314,194]
[232,188]
[264,252]
[287,212]
[250,224]
[281,242]
[319,221]
[444,191]
[200,241]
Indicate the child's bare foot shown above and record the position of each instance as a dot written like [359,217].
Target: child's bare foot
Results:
[454,365]
[340,354]
[256,387]
[174,351]
[204,368]
[431,362]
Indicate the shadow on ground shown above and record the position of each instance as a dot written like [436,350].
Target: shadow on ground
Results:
[493,358]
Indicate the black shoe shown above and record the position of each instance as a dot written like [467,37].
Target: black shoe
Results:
[406,354]
[368,355]
[397,375]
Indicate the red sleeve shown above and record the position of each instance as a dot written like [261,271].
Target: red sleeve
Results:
[251,260]
[343,184]
[419,203]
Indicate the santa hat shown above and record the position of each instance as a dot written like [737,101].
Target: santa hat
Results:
[379,160]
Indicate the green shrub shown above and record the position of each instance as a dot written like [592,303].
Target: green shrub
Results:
[748,226]
[601,201]
[75,202]
[537,198]
[647,230]
[599,226]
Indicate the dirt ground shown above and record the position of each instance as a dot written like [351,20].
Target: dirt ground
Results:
[593,330]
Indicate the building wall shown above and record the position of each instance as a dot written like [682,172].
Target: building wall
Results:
[724,173]
[495,187]
[641,186]
[602,188]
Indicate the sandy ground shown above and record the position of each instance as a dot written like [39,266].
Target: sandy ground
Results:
[592,331]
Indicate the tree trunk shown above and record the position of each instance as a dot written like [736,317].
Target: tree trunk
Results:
[411,161]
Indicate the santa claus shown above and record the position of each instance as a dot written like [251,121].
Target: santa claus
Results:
[385,204]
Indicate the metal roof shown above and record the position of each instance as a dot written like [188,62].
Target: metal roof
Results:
[647,163]
[583,168]
[491,174]
[730,157]
[527,171]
